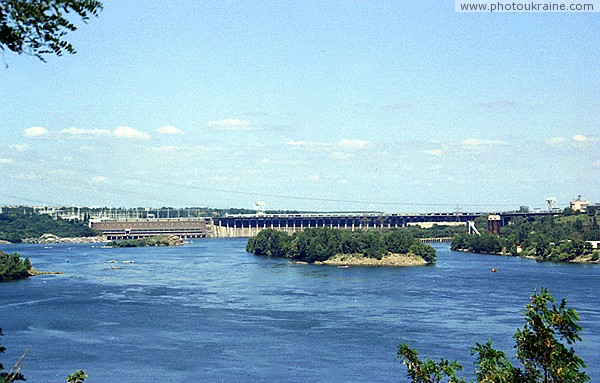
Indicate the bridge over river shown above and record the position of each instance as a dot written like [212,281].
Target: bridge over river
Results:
[247,225]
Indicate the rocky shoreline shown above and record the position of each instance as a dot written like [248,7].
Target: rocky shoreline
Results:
[33,272]
[390,260]
[48,239]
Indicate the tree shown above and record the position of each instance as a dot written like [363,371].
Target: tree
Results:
[543,348]
[540,346]
[427,371]
[77,377]
[38,27]
[524,209]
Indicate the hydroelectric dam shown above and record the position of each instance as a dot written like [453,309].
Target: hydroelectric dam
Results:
[247,225]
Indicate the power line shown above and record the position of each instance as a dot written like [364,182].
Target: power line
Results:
[171,184]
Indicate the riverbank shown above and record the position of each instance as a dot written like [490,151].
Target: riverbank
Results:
[585,259]
[48,239]
[33,272]
[389,260]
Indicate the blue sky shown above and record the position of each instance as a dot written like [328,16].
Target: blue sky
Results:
[339,105]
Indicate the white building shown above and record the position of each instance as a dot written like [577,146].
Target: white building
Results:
[579,205]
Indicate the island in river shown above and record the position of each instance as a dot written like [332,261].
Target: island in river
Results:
[157,240]
[386,247]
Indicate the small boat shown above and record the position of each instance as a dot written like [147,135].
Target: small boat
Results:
[115,267]
[493,270]
[127,261]
[112,261]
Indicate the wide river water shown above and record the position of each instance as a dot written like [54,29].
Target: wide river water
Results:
[210,312]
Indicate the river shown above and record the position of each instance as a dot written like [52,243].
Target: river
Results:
[210,312]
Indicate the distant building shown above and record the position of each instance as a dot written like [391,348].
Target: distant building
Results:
[494,224]
[579,205]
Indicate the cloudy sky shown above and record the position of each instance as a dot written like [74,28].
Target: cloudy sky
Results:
[339,105]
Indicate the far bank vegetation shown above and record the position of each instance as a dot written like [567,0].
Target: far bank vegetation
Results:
[321,244]
[17,224]
[559,239]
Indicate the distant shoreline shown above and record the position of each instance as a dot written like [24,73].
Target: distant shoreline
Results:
[49,239]
[388,260]
[578,260]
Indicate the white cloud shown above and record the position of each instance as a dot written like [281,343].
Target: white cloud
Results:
[5,161]
[314,178]
[433,152]
[35,131]
[77,132]
[19,147]
[230,124]
[555,140]
[478,142]
[354,144]
[168,129]
[580,138]
[99,179]
[130,133]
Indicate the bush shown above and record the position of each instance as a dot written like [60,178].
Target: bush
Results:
[543,349]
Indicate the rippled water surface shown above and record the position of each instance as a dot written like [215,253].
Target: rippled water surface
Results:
[210,312]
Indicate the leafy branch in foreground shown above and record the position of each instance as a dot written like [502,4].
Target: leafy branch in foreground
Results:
[544,351]
[14,374]
[38,27]
[77,377]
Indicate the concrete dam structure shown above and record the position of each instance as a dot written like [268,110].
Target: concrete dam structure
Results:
[247,225]
[141,228]
[250,225]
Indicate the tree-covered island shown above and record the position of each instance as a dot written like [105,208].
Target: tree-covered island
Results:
[157,240]
[12,267]
[564,238]
[388,247]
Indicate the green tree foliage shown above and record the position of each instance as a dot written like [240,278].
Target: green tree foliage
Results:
[559,239]
[157,240]
[77,377]
[544,345]
[427,371]
[13,268]
[484,243]
[543,349]
[320,244]
[17,224]
[38,27]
